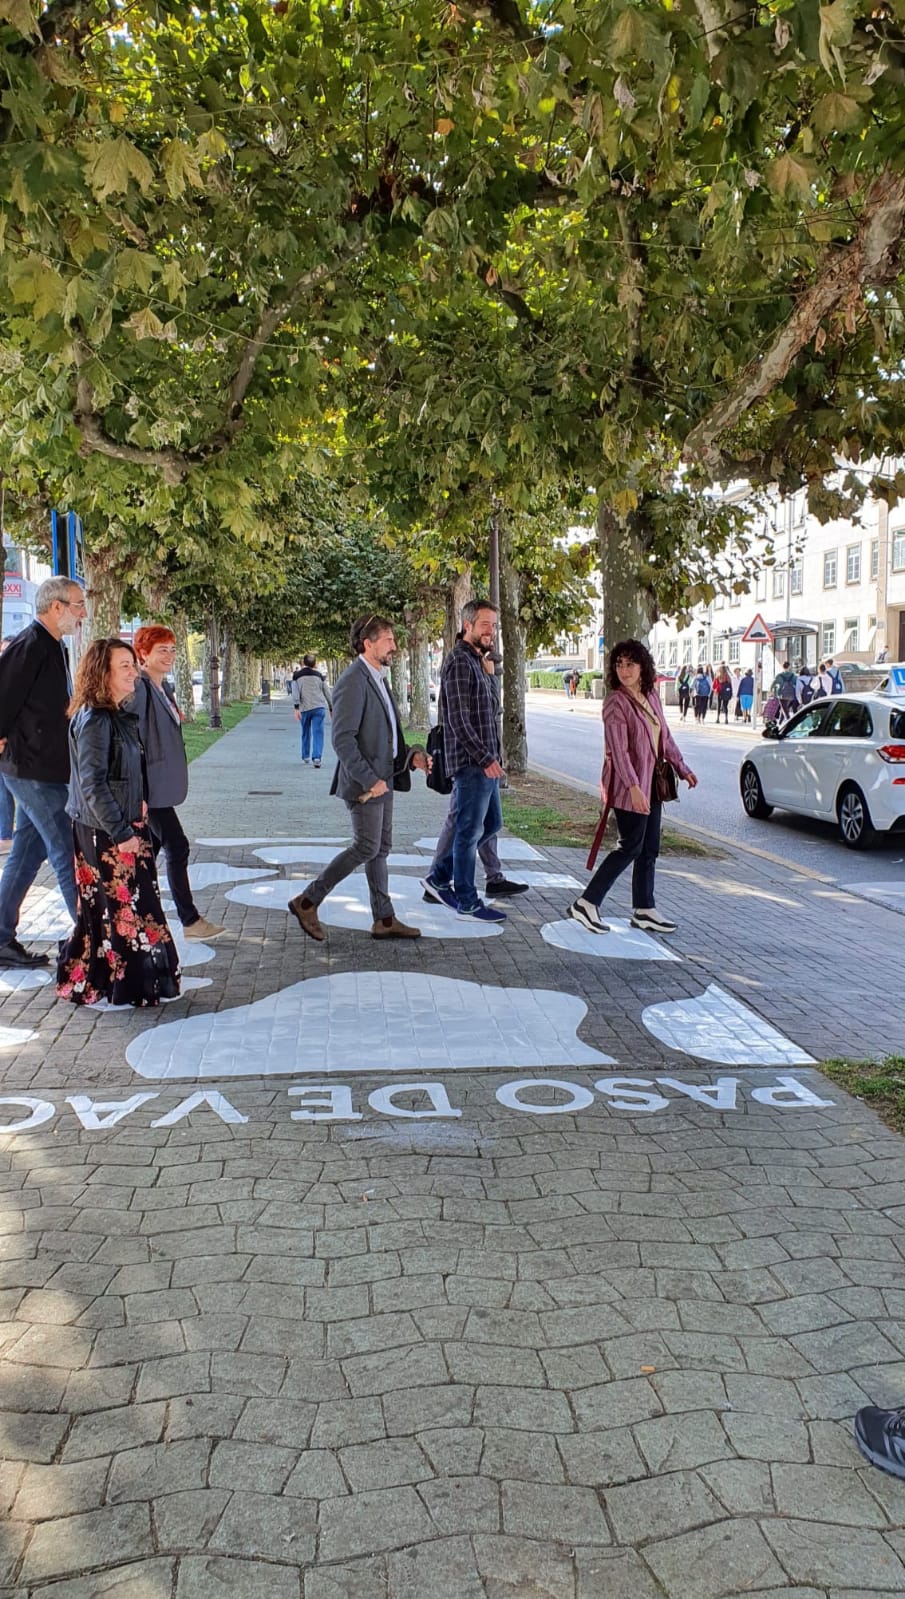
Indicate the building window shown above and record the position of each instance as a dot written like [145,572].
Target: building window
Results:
[828,638]
[760,592]
[779,583]
[853,564]
[796,578]
[874,559]
[851,632]
[829,569]
[898,552]
[734,651]
[674,653]
[800,508]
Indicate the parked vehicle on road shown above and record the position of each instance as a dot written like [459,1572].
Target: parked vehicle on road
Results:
[838,759]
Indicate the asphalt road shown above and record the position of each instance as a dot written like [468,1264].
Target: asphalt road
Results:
[568,742]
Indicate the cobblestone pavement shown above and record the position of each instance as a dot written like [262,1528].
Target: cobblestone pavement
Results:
[529,1333]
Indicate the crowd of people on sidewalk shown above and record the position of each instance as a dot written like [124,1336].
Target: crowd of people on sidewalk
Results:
[705,688]
[95,769]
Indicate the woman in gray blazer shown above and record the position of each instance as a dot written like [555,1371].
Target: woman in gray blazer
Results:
[160,727]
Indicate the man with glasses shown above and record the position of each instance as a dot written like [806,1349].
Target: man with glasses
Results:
[35,688]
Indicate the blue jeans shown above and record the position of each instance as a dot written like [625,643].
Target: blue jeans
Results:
[7,810]
[478,817]
[490,855]
[43,833]
[638,846]
[313,733]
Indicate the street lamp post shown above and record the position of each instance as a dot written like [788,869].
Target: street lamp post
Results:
[215,718]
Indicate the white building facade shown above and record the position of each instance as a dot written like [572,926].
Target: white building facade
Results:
[835,590]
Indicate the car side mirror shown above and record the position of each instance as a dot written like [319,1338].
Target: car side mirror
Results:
[771,730]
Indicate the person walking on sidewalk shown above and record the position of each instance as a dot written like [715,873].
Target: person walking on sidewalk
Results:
[637,735]
[683,690]
[7,803]
[701,688]
[373,762]
[724,692]
[35,685]
[498,886]
[160,730]
[746,693]
[311,702]
[121,951]
[472,750]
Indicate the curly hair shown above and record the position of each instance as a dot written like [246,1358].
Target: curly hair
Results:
[631,649]
[92,685]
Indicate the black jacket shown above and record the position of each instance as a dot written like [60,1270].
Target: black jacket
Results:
[34,694]
[106,788]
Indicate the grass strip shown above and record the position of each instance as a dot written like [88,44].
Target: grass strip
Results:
[880,1084]
[542,811]
[199,735]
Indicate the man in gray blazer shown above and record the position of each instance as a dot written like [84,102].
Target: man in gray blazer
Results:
[373,762]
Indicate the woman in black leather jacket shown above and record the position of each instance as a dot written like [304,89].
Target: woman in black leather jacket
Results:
[121,951]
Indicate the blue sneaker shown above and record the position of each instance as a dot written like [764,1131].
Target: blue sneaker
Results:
[439,894]
[484,913]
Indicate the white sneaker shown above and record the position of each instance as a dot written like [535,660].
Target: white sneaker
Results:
[581,910]
[650,921]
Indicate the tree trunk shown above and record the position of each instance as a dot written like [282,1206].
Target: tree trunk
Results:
[419,665]
[457,595]
[515,736]
[182,671]
[206,675]
[398,677]
[226,661]
[104,595]
[628,605]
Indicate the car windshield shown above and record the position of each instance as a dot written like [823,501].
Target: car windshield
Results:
[897,724]
[807,723]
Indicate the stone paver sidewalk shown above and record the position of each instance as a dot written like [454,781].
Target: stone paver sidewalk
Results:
[562,1331]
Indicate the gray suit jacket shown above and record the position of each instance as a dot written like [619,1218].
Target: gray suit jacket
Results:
[363,738]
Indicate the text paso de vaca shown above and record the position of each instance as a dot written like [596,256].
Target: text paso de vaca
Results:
[333,1102]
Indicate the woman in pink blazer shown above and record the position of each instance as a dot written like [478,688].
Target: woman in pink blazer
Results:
[635,734]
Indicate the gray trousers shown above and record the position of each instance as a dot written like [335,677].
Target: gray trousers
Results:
[487,852]
[372,840]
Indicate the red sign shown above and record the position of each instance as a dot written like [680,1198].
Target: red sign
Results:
[12,588]
[758,632]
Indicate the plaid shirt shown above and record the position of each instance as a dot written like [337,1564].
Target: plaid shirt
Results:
[467,711]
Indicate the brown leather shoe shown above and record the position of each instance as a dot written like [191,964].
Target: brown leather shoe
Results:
[394,929]
[307,918]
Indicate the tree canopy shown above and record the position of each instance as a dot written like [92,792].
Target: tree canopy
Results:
[433,252]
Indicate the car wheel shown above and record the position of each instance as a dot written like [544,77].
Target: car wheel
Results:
[752,793]
[855,826]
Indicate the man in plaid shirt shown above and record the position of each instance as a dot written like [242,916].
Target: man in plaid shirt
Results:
[472,752]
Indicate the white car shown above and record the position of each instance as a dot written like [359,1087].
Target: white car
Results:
[841,759]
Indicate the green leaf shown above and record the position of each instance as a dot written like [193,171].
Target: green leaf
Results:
[111,164]
[19,13]
[180,168]
[837,113]
[837,23]
[791,177]
[134,270]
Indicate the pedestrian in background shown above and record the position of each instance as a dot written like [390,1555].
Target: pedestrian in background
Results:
[121,950]
[311,701]
[683,690]
[701,689]
[786,690]
[636,736]
[746,693]
[167,773]
[35,685]
[723,693]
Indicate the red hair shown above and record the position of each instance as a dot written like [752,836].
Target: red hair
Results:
[147,637]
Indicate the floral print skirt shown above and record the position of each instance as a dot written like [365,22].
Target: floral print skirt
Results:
[121,949]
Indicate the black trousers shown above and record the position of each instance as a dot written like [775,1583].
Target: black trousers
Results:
[167,835]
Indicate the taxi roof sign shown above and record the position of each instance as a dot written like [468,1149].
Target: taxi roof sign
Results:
[757,632]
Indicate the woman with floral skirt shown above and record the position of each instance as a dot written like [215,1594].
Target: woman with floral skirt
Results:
[121,951]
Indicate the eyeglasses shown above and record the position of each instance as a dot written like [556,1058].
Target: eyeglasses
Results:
[73,605]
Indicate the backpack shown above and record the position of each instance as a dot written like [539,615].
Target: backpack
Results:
[806,693]
[788,686]
[836,680]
